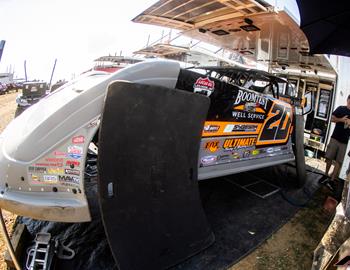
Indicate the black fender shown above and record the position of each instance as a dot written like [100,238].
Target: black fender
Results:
[149,141]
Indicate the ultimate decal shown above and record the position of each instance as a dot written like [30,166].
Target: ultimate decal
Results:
[235,143]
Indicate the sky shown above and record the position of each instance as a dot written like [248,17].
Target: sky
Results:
[75,32]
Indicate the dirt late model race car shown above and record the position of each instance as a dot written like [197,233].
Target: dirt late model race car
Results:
[156,129]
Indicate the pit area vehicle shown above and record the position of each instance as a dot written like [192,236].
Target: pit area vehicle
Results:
[157,128]
[32,92]
[3,89]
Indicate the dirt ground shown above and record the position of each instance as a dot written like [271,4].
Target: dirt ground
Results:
[289,248]
[7,113]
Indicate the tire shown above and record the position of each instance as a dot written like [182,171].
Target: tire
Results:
[298,149]
[19,110]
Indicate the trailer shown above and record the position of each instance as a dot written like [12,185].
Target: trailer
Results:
[269,36]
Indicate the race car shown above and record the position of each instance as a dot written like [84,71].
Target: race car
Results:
[157,128]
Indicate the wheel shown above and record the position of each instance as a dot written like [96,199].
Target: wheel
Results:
[298,148]
[19,110]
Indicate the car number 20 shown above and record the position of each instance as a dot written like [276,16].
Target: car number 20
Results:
[276,128]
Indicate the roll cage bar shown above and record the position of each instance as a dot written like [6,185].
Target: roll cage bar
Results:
[246,78]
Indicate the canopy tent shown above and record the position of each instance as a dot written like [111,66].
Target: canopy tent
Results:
[326,25]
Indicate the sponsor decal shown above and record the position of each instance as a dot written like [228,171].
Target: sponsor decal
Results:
[240,127]
[37,169]
[255,152]
[212,146]
[235,143]
[245,96]
[55,170]
[250,107]
[78,139]
[59,164]
[74,149]
[69,179]
[224,157]
[50,178]
[72,162]
[73,172]
[248,116]
[54,159]
[236,155]
[59,153]
[74,156]
[269,150]
[206,160]
[94,123]
[35,177]
[204,86]
[211,128]
[246,154]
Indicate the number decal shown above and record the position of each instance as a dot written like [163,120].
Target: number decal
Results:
[277,125]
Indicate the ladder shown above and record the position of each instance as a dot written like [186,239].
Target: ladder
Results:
[41,253]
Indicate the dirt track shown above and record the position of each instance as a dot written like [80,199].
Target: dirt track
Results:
[7,113]
[7,109]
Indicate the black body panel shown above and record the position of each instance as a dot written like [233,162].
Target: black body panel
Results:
[148,159]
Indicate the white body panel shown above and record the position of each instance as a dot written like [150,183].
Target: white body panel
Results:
[44,133]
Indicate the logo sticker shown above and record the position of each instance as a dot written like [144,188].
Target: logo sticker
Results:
[246,154]
[211,128]
[206,160]
[50,178]
[74,156]
[255,152]
[54,159]
[37,169]
[240,128]
[235,155]
[78,139]
[269,150]
[73,172]
[250,97]
[72,162]
[212,146]
[74,149]
[55,170]
[35,177]
[58,164]
[59,153]
[204,86]
[69,179]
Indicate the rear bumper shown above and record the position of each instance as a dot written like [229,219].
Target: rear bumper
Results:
[44,206]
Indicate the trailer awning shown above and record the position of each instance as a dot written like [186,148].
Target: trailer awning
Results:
[188,14]
[251,28]
[162,49]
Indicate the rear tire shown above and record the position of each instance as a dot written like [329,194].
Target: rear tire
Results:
[298,148]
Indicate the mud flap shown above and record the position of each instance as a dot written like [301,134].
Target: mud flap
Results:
[148,156]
